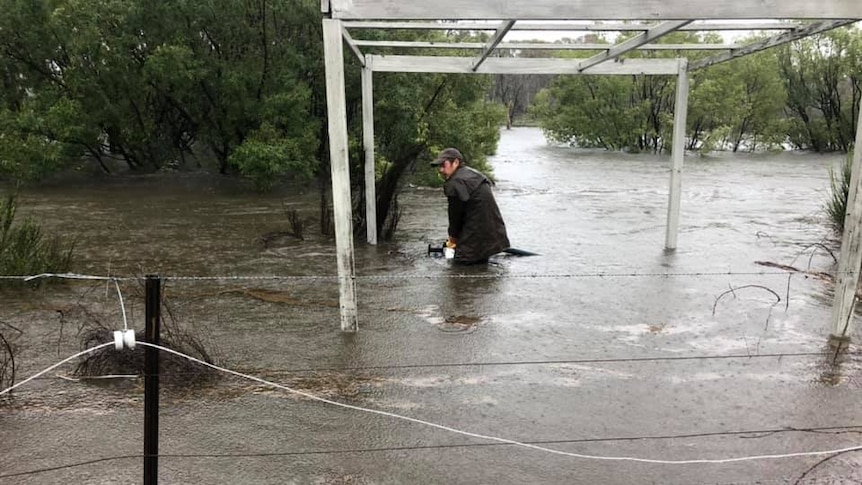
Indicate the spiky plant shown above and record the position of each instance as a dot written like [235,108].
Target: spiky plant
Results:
[836,205]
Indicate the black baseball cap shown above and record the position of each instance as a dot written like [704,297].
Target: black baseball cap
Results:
[448,154]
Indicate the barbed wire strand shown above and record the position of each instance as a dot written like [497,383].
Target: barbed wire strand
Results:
[828,429]
[301,453]
[779,356]
[581,361]
[408,276]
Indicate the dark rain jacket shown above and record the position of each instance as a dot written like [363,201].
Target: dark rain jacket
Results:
[474,218]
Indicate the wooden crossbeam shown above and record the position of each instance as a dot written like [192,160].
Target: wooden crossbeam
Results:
[779,39]
[540,46]
[352,45]
[520,65]
[633,43]
[502,30]
[569,27]
[557,10]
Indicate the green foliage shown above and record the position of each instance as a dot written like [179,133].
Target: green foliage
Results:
[149,83]
[631,113]
[25,249]
[235,86]
[836,206]
[265,155]
[823,80]
[416,115]
[476,134]
[455,114]
[285,142]
[753,120]
[806,93]
[614,113]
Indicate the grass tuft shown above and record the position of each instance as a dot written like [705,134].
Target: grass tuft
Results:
[836,206]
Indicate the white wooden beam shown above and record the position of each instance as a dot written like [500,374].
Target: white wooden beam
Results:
[566,27]
[336,110]
[539,46]
[352,44]
[779,39]
[710,26]
[592,10]
[521,65]
[633,43]
[368,145]
[850,259]
[501,32]
[680,112]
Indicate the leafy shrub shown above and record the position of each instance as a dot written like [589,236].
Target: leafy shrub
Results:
[266,155]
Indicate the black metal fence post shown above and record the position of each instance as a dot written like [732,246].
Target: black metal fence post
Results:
[151,379]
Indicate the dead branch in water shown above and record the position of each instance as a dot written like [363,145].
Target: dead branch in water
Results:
[812,467]
[7,363]
[296,223]
[817,274]
[810,258]
[761,234]
[733,291]
[821,275]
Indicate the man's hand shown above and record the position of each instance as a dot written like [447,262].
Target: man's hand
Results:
[450,243]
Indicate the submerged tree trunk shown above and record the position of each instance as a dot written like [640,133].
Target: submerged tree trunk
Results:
[387,192]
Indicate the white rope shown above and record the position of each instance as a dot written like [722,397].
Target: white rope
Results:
[502,440]
[58,364]
[122,305]
[73,276]
[447,428]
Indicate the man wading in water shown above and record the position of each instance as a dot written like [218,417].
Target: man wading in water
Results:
[476,228]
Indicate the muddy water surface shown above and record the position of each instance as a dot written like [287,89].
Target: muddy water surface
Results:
[533,349]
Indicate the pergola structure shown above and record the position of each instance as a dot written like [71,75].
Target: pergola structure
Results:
[651,19]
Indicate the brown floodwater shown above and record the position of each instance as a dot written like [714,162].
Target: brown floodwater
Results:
[603,344]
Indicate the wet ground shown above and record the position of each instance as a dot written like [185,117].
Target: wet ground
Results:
[603,345]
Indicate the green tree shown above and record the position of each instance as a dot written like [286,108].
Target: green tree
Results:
[152,84]
[710,115]
[761,98]
[614,112]
[239,86]
[417,115]
[822,77]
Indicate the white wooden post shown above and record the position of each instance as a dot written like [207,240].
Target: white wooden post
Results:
[677,155]
[851,250]
[337,116]
[368,142]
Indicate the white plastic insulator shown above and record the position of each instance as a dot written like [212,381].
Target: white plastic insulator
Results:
[118,339]
[129,338]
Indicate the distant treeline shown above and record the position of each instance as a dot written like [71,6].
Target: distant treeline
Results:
[803,95]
